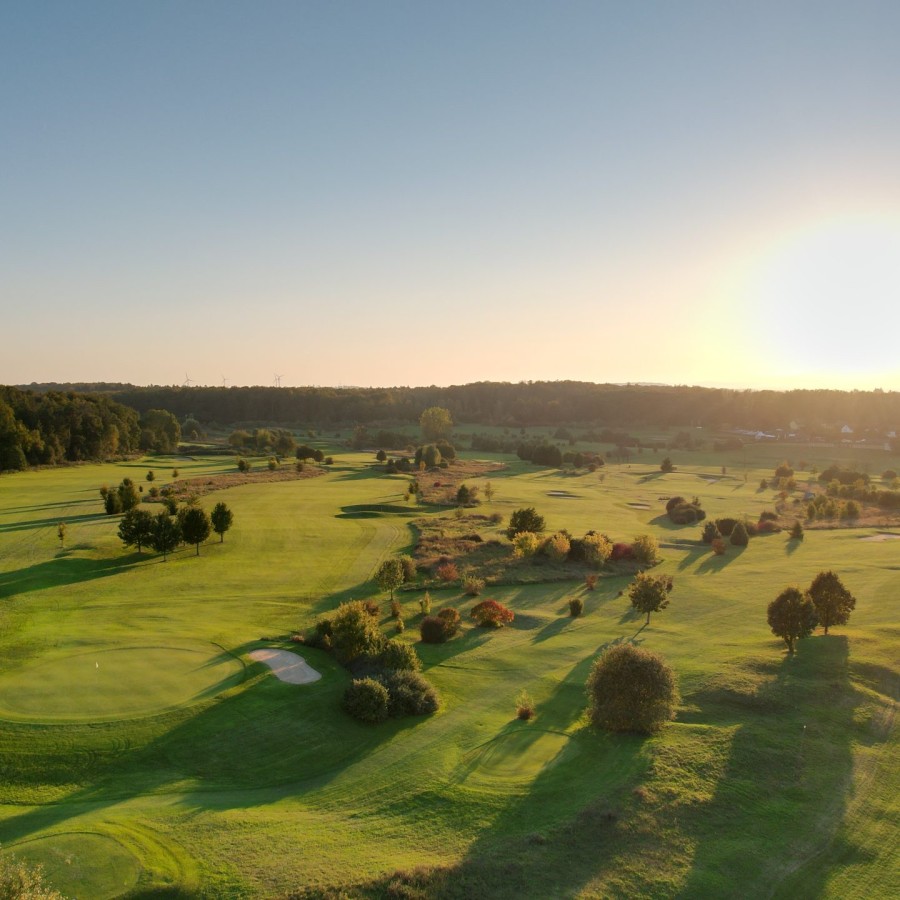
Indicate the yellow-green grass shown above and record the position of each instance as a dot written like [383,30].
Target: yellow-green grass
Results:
[780,776]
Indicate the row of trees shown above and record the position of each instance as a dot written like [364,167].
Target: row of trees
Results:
[164,533]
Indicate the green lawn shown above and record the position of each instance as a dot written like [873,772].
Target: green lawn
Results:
[143,752]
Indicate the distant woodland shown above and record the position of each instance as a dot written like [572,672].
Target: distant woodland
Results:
[47,424]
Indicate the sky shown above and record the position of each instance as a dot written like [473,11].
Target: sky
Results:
[412,193]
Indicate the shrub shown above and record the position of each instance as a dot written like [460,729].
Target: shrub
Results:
[768,515]
[718,546]
[673,502]
[739,535]
[622,552]
[472,585]
[557,547]
[273,464]
[432,631]
[409,567]
[409,694]
[450,617]
[490,613]
[726,526]
[396,611]
[597,549]
[372,608]
[367,700]
[851,510]
[590,581]
[797,531]
[710,532]
[576,606]
[447,571]
[524,706]
[243,465]
[425,603]
[666,466]
[766,526]
[687,513]
[645,548]
[525,544]
[400,657]
[496,518]
[631,689]
[525,519]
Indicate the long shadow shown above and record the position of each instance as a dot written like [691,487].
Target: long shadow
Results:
[43,523]
[715,563]
[65,570]
[785,787]
[55,504]
[693,555]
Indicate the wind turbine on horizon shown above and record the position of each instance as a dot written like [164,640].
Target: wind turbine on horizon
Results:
[277,381]
[187,380]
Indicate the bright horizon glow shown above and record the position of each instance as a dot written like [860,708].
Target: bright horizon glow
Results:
[413,194]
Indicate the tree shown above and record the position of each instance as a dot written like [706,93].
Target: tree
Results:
[136,528]
[739,535]
[61,528]
[160,431]
[390,575]
[151,475]
[631,689]
[222,519]
[21,881]
[112,503]
[436,423]
[525,519]
[645,549]
[490,613]
[128,495]
[195,526]
[381,456]
[597,549]
[796,532]
[832,601]
[650,593]
[666,466]
[243,465]
[710,532]
[488,491]
[354,632]
[166,534]
[792,616]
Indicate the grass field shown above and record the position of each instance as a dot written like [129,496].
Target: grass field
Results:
[143,753]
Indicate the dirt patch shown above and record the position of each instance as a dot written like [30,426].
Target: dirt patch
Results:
[286,666]
[199,486]
[881,536]
[439,486]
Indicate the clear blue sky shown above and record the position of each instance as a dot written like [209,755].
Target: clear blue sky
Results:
[381,193]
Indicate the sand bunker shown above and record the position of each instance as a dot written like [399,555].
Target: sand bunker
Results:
[882,536]
[286,666]
[639,505]
[564,495]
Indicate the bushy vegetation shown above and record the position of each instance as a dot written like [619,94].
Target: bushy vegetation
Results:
[525,519]
[490,613]
[650,593]
[367,699]
[792,616]
[631,689]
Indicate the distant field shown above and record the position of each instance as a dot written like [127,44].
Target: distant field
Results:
[143,753]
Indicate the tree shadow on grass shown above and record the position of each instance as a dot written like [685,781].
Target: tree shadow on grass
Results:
[784,790]
[693,554]
[715,563]
[64,571]
[29,524]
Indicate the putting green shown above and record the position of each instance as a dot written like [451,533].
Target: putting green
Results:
[82,864]
[114,683]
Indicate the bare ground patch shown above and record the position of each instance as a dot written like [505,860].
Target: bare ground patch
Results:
[439,486]
[197,487]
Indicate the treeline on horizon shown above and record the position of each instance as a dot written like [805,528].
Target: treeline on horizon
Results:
[528,404]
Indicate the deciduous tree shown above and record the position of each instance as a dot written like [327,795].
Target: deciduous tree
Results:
[832,601]
[166,534]
[792,616]
[436,423]
[222,519]
[650,593]
[136,528]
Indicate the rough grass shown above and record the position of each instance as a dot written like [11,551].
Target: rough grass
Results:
[779,777]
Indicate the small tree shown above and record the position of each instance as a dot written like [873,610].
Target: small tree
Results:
[557,547]
[525,519]
[367,700]
[436,423]
[222,519]
[525,544]
[166,535]
[151,475]
[61,528]
[597,549]
[630,689]
[136,528]
[390,575]
[710,532]
[488,489]
[128,495]
[381,456]
[739,536]
[792,616]
[666,466]
[195,526]
[355,632]
[832,601]
[243,465]
[796,533]
[650,593]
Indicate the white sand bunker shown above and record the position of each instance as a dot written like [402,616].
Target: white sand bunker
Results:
[639,505]
[882,536]
[286,666]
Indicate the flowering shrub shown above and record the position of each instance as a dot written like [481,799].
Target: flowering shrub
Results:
[490,613]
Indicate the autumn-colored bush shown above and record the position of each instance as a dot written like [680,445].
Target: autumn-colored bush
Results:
[621,552]
[590,581]
[431,628]
[557,547]
[450,617]
[490,613]
[718,546]
[472,585]
[447,571]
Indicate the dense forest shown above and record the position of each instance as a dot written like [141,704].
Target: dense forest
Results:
[47,428]
[529,404]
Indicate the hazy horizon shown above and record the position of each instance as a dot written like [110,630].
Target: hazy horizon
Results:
[402,193]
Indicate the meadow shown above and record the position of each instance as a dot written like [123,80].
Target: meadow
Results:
[144,754]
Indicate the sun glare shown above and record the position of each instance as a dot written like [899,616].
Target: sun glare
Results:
[826,301]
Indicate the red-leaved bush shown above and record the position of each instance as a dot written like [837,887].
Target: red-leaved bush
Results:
[491,613]
[621,552]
